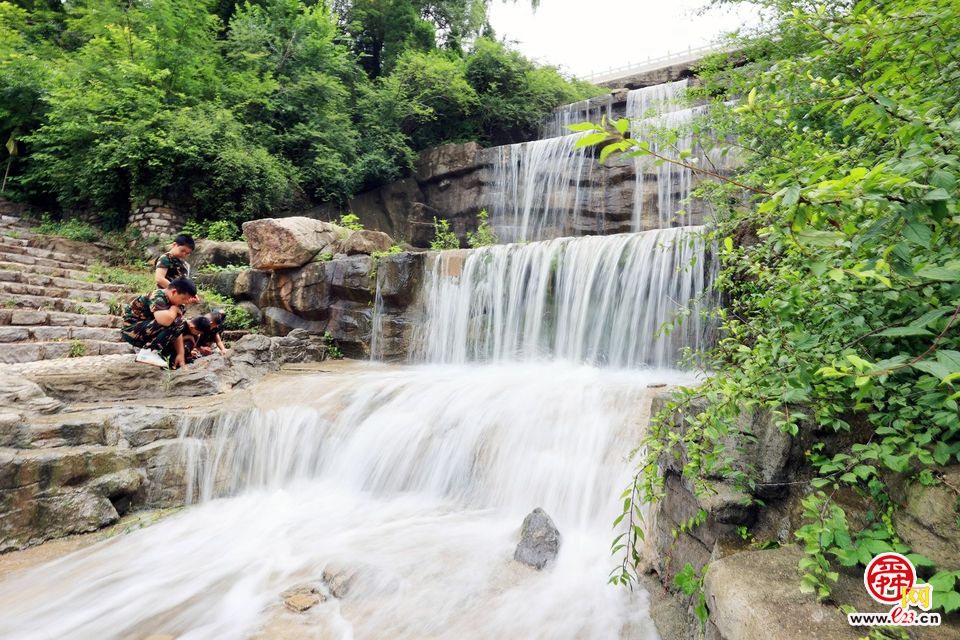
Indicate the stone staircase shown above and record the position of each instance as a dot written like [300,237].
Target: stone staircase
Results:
[49,307]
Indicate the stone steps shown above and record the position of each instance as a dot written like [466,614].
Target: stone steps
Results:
[79,295]
[48,333]
[52,306]
[40,280]
[51,303]
[18,258]
[21,352]
[57,272]
[28,317]
[21,247]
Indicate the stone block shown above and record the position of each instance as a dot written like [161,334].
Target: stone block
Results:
[250,284]
[352,278]
[444,160]
[23,352]
[14,334]
[49,334]
[96,333]
[365,242]
[115,348]
[24,317]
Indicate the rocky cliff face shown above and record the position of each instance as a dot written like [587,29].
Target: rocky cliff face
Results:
[454,182]
[745,546]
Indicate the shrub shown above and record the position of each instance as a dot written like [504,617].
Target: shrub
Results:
[350,221]
[443,237]
[485,235]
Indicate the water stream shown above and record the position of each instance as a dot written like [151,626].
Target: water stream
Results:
[414,478]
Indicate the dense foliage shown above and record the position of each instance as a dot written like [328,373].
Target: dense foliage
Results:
[236,108]
[839,237]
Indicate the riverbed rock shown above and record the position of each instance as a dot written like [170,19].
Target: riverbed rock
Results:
[120,378]
[284,243]
[365,241]
[301,597]
[539,540]
[24,394]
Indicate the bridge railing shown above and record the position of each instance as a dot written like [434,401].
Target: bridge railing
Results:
[651,63]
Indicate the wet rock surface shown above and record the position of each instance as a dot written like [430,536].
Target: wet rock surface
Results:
[539,540]
[69,468]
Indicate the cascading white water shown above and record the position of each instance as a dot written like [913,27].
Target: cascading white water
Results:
[597,299]
[537,189]
[651,111]
[416,479]
[660,116]
[543,189]
[584,111]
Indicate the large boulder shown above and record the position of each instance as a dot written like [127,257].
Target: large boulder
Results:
[539,540]
[220,254]
[444,160]
[400,277]
[285,243]
[366,242]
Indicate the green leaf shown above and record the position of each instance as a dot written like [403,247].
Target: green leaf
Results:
[936,195]
[918,233]
[942,581]
[899,332]
[622,126]
[591,140]
[945,274]
[950,601]
[583,126]
[920,560]
[791,197]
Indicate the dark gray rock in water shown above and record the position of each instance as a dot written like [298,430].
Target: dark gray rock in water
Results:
[539,540]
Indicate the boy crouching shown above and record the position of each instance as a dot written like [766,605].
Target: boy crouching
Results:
[154,321]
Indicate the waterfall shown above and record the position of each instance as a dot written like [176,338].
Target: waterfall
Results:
[602,300]
[540,189]
[412,480]
[651,111]
[591,110]
[549,189]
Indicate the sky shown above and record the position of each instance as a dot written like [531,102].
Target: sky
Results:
[586,36]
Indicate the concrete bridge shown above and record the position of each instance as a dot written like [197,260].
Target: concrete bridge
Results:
[667,68]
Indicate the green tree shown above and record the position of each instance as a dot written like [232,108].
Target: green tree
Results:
[288,85]
[514,95]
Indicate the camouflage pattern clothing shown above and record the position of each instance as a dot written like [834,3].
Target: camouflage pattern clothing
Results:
[169,352]
[141,329]
[176,268]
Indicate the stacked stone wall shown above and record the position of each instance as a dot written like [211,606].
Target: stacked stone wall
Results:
[156,218]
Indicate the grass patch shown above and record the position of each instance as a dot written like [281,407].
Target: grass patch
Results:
[77,349]
[138,277]
[71,229]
